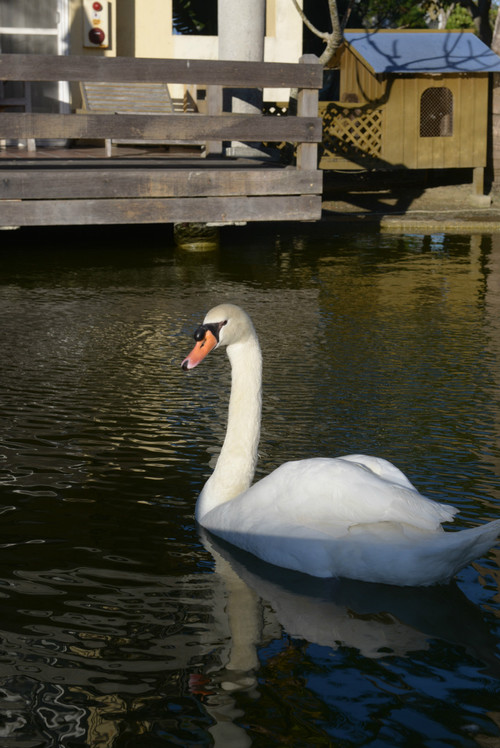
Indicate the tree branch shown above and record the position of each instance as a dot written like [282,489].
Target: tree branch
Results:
[350,6]
[331,38]
[322,34]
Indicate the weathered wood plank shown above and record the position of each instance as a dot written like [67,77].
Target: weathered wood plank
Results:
[38,184]
[339,163]
[214,108]
[183,127]
[410,141]
[169,210]
[205,72]
[307,106]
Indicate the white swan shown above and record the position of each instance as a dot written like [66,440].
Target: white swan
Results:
[355,516]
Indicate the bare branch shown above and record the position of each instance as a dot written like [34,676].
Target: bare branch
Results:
[332,39]
[350,6]
[322,34]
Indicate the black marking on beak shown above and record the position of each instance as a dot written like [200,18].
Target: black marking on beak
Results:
[214,327]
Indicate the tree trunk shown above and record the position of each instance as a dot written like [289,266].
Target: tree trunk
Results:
[495,107]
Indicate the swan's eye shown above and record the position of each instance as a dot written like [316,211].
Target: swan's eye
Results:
[199,334]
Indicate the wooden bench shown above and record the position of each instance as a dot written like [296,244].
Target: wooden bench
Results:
[133,98]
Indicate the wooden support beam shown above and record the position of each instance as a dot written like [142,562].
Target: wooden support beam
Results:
[40,184]
[168,210]
[478,180]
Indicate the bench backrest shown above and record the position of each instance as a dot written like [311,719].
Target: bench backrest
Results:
[108,98]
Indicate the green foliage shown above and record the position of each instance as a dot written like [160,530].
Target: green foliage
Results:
[200,16]
[460,18]
[391,14]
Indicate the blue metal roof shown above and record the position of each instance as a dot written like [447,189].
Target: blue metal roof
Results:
[423,51]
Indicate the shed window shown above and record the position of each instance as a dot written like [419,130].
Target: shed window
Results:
[436,113]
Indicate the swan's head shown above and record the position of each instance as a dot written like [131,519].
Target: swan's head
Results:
[225,324]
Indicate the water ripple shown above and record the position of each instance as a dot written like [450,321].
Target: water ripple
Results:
[119,621]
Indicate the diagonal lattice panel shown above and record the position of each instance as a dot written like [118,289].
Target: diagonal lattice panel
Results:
[352,132]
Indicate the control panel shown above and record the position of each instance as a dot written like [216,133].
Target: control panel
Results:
[95,23]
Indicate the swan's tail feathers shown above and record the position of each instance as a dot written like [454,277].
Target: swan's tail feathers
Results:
[465,546]
[418,561]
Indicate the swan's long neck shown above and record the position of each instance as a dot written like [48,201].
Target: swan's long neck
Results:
[235,467]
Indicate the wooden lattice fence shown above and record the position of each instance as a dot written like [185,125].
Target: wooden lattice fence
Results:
[352,133]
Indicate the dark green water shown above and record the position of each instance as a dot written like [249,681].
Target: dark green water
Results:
[120,624]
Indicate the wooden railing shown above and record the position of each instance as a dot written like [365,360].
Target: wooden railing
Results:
[56,191]
[304,129]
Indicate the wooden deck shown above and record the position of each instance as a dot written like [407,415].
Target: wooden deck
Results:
[78,185]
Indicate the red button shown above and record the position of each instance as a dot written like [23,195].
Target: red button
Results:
[97,6]
[97,36]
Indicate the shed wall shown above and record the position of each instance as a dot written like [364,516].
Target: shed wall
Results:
[399,97]
[465,147]
[357,80]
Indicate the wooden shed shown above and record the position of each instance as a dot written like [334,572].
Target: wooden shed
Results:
[409,99]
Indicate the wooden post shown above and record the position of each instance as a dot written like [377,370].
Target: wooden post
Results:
[214,107]
[307,106]
[31,142]
[478,180]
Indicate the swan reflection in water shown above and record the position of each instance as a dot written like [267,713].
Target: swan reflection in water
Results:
[377,620]
[262,601]
[126,641]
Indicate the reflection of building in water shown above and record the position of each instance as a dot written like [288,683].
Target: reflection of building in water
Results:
[399,310]
[492,339]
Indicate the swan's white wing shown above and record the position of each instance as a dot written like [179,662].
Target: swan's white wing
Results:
[351,491]
[383,468]
[336,517]
[332,495]
[374,553]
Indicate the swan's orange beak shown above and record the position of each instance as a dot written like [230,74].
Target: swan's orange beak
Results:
[201,349]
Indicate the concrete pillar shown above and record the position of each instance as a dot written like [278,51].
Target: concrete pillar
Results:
[242,28]
[196,237]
